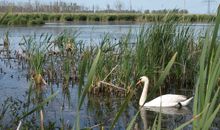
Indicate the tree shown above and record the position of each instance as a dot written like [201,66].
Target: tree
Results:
[118,5]
[108,7]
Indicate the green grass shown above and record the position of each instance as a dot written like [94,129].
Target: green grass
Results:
[206,105]
[42,18]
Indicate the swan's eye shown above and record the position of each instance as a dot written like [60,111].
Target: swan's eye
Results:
[140,79]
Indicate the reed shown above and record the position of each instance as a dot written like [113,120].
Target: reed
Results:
[158,43]
[42,18]
[35,53]
[206,105]
[3,17]
[112,67]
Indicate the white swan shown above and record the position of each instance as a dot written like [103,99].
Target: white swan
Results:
[168,100]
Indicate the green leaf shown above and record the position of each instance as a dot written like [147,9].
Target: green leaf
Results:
[122,108]
[193,119]
[39,106]
[3,17]
[155,123]
[163,75]
[208,123]
[130,125]
[213,103]
[87,87]
[90,78]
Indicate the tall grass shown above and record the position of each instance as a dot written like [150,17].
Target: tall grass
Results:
[119,64]
[158,84]
[82,92]
[206,105]
[3,18]
[42,18]
[156,44]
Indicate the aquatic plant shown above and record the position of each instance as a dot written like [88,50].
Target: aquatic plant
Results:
[3,18]
[82,92]
[112,66]
[206,105]
[128,98]
[159,42]
[35,54]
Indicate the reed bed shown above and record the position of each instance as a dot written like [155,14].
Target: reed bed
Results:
[42,18]
[165,51]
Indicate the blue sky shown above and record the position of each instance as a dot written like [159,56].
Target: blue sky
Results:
[194,6]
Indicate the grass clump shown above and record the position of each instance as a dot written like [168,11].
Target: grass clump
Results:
[206,105]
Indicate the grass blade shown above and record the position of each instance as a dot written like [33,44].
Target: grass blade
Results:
[193,119]
[159,120]
[208,123]
[163,75]
[130,125]
[39,106]
[155,123]
[86,89]
[121,110]
[3,17]
[90,78]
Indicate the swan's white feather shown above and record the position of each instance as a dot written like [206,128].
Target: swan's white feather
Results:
[168,100]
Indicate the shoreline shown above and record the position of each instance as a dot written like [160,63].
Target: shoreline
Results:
[112,18]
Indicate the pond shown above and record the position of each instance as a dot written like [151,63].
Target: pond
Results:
[97,111]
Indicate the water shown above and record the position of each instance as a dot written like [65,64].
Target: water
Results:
[96,110]
[91,34]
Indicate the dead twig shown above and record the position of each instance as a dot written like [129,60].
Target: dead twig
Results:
[112,85]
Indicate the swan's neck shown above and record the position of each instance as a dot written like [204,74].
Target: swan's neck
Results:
[144,93]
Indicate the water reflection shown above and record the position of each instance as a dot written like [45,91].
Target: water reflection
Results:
[171,117]
[170,110]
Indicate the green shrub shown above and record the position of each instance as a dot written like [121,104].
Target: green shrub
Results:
[82,17]
[112,18]
[68,18]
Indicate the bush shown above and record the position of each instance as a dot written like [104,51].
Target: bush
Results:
[82,18]
[68,18]
[112,18]
[36,22]
[127,17]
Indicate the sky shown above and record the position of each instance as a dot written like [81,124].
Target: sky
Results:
[193,6]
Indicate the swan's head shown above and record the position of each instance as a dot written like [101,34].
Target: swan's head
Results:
[143,79]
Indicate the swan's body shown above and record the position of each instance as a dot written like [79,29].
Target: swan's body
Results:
[168,100]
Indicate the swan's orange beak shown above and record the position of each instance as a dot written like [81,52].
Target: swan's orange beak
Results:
[139,81]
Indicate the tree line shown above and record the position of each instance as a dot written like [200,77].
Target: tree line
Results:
[68,7]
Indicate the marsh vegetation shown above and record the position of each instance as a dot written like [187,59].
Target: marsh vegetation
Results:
[166,51]
[42,18]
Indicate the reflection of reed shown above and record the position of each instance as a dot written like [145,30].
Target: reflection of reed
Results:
[6,51]
[172,117]
[102,110]
[144,118]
